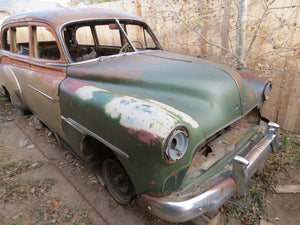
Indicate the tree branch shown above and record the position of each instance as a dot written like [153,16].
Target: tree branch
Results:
[200,34]
[266,3]
[276,69]
[285,7]
[274,51]
[258,28]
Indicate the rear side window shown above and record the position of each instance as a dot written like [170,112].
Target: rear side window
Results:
[21,38]
[16,39]
[6,40]
[45,45]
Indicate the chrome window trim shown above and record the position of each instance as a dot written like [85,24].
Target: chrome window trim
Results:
[125,35]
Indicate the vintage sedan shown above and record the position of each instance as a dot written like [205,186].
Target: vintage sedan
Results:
[181,133]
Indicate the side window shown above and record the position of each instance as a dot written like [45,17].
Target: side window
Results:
[84,36]
[21,39]
[135,33]
[108,35]
[6,40]
[45,44]
[139,34]
[149,41]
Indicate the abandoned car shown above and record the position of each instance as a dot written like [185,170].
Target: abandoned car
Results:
[181,133]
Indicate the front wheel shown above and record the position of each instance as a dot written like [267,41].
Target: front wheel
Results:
[117,181]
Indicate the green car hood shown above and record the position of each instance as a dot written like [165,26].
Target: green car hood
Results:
[213,95]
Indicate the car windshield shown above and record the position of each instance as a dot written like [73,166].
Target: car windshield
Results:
[94,39]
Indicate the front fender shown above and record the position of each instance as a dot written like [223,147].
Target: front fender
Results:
[257,84]
[136,126]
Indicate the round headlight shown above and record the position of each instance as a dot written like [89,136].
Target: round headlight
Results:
[267,91]
[177,145]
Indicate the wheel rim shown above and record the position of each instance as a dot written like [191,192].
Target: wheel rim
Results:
[117,181]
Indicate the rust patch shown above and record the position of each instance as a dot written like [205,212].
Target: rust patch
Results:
[197,162]
[58,17]
[73,85]
[176,176]
[43,75]
[121,73]
[145,137]
[107,74]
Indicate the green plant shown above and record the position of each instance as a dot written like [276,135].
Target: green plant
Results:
[50,181]
[3,100]
[1,219]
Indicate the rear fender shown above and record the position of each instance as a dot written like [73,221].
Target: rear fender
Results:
[10,81]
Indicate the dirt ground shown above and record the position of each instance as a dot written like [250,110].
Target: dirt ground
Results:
[51,187]
[70,186]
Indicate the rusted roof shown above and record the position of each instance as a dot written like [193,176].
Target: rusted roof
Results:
[57,17]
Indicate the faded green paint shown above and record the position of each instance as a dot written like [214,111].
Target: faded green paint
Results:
[174,182]
[196,87]
[189,91]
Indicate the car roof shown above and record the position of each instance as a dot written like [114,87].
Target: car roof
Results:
[58,17]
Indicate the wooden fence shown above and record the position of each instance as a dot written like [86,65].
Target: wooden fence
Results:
[275,53]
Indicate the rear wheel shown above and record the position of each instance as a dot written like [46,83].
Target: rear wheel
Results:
[117,181]
[19,111]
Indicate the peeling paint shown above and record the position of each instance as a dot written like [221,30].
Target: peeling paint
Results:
[150,121]
[86,92]
[140,115]
[186,118]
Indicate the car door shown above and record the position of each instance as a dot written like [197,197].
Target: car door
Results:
[48,69]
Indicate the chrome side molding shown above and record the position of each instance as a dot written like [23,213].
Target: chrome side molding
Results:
[84,131]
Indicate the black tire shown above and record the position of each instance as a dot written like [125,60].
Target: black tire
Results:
[117,181]
[4,92]
[18,110]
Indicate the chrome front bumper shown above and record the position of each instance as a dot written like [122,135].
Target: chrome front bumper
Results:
[243,169]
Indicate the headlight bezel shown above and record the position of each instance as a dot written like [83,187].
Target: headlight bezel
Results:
[177,141]
[267,91]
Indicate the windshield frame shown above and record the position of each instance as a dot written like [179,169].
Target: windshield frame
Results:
[118,22]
